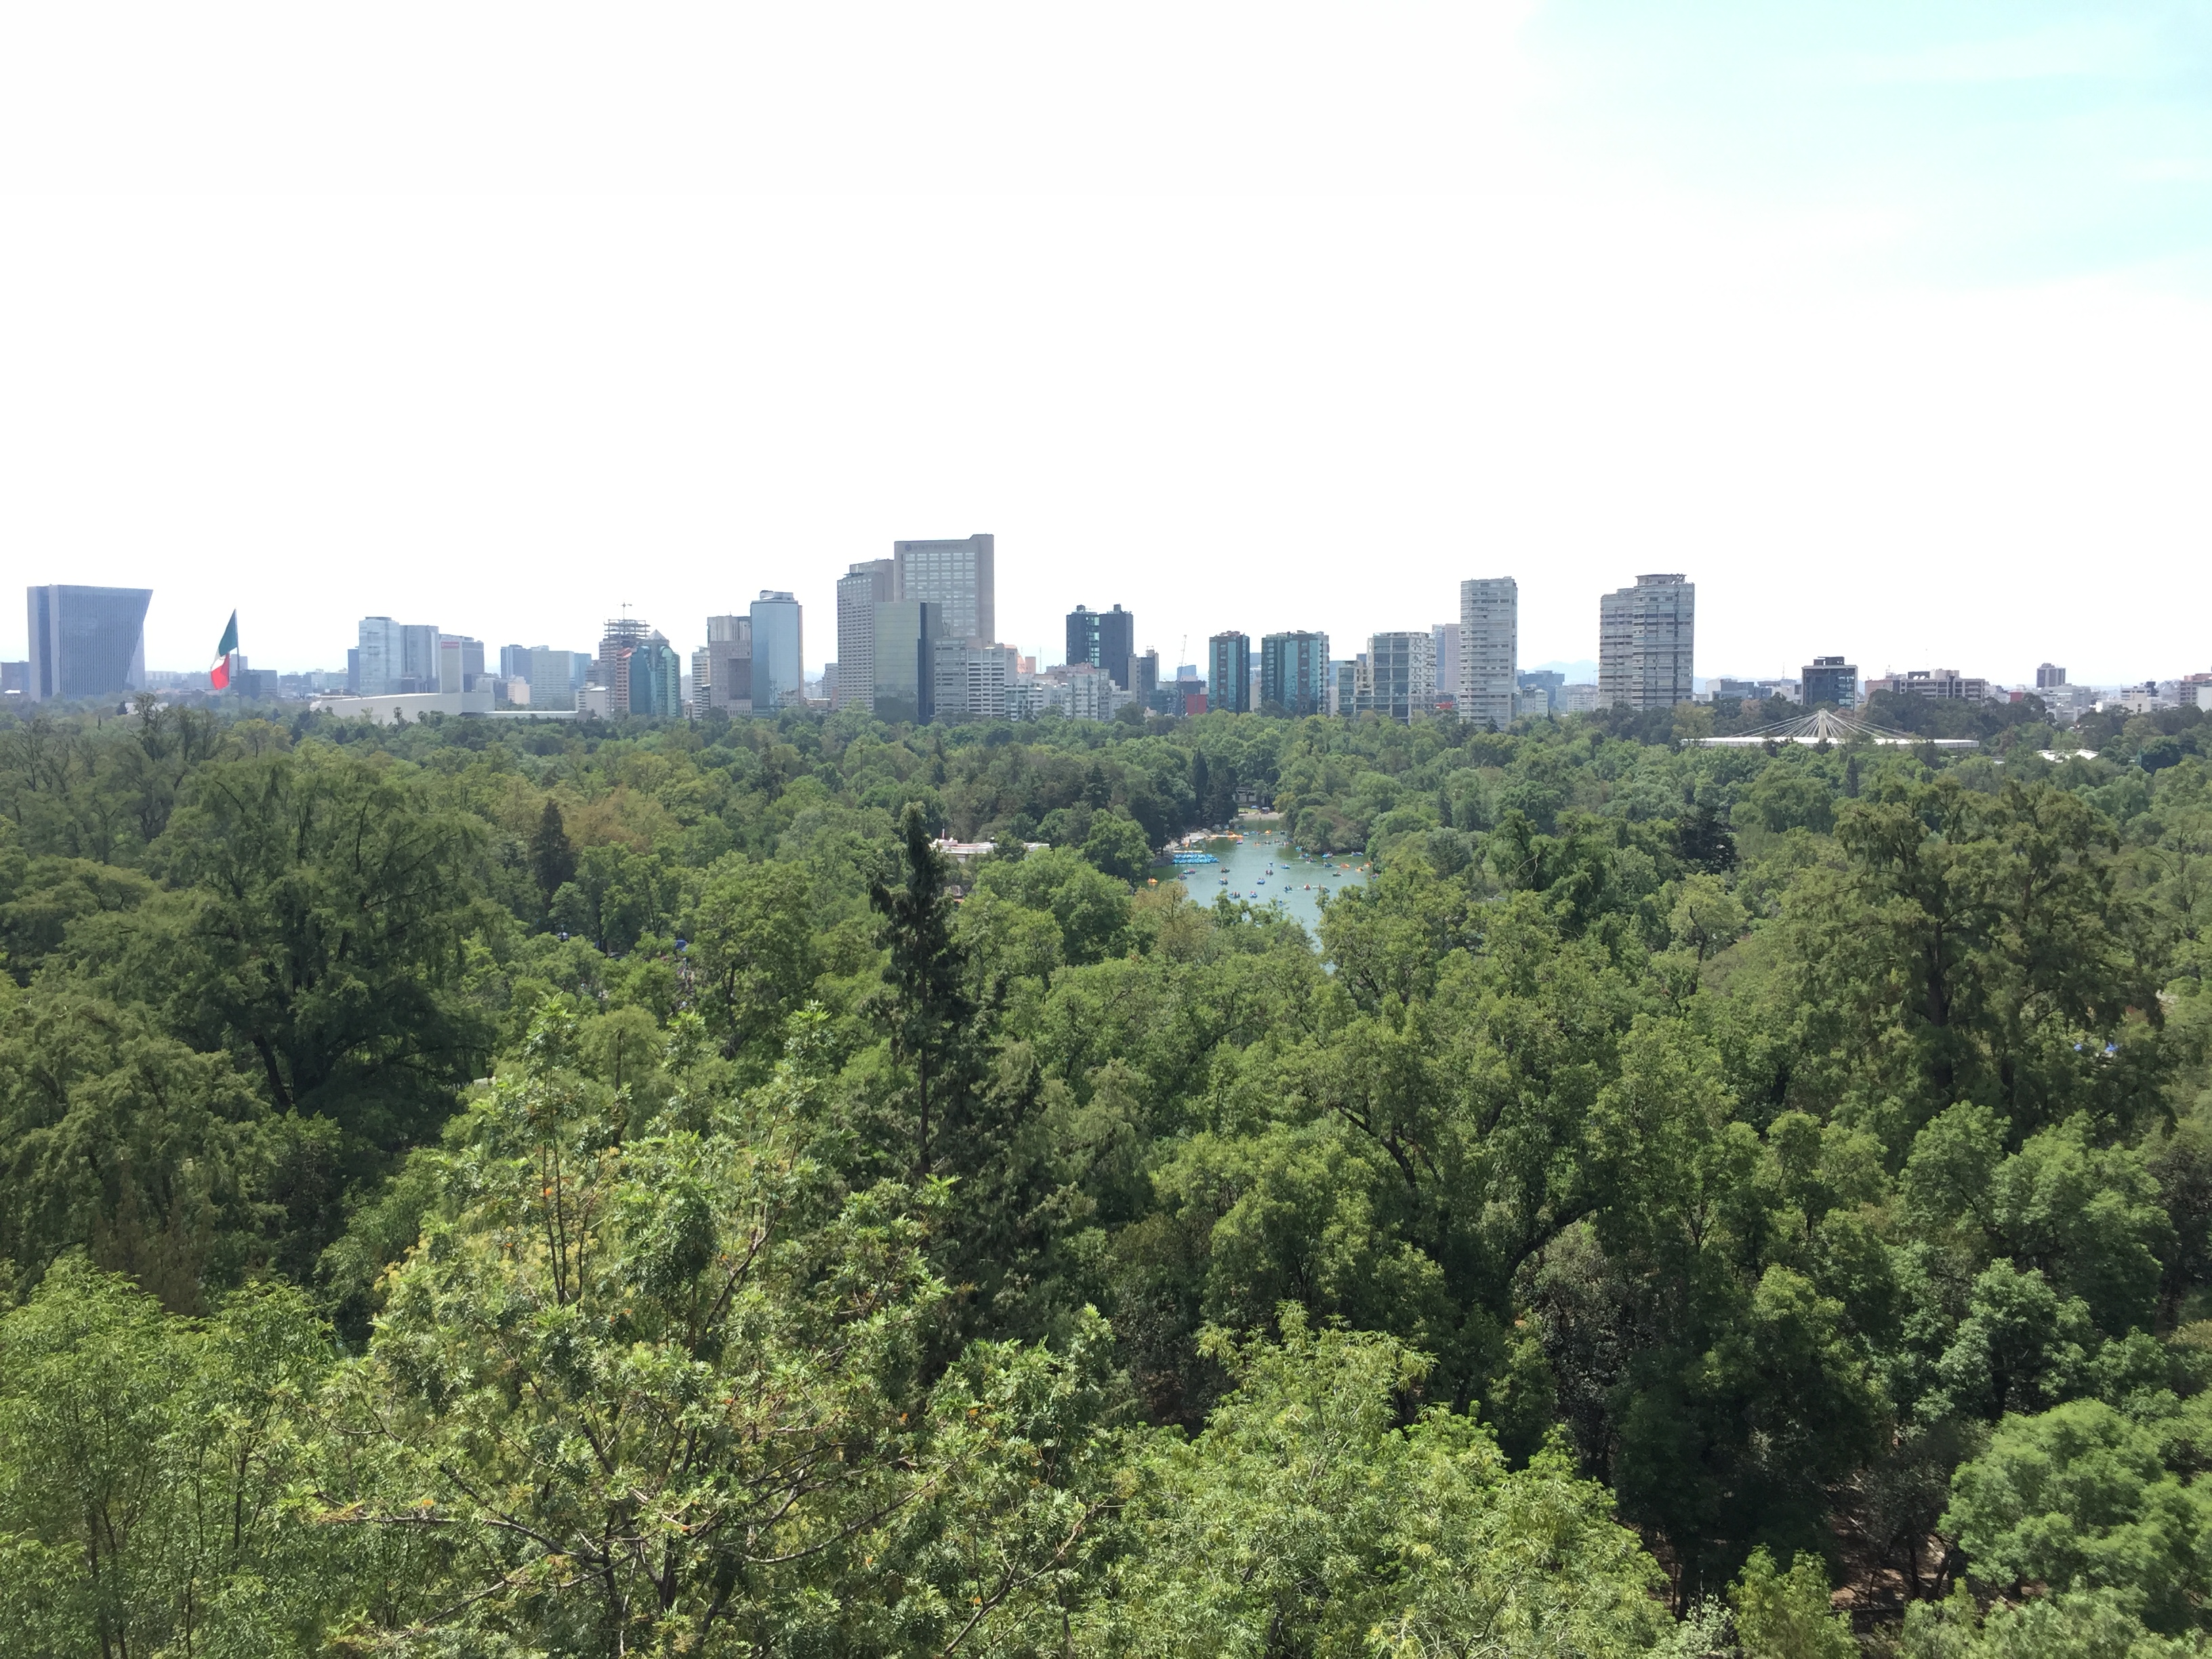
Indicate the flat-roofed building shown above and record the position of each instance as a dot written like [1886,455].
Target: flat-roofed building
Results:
[779,650]
[1294,673]
[1489,650]
[1830,680]
[1228,673]
[1647,643]
[959,578]
[1104,639]
[905,674]
[1401,674]
[862,588]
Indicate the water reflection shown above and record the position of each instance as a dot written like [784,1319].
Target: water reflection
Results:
[1260,866]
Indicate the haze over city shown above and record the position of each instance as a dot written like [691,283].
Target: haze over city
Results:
[1886,325]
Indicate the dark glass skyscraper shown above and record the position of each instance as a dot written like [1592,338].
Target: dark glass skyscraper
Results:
[1294,673]
[1229,673]
[87,642]
[1104,639]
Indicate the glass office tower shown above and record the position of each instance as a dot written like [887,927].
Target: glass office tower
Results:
[87,642]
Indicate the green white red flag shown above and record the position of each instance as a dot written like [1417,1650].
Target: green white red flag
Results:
[219,676]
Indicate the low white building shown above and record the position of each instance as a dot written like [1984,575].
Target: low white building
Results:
[396,706]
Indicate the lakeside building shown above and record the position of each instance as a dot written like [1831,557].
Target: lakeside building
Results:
[85,641]
[1401,674]
[1294,673]
[1647,643]
[1228,673]
[1483,678]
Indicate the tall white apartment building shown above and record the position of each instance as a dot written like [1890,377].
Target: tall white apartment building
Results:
[1489,649]
[1646,643]
[859,591]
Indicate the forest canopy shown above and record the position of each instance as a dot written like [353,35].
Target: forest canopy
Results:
[522,1187]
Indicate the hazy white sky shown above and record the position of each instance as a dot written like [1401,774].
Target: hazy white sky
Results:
[1889,322]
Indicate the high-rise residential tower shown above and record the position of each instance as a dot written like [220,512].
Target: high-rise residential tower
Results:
[957,577]
[859,591]
[1402,671]
[1646,643]
[86,642]
[778,650]
[1294,673]
[1489,649]
[1228,673]
[1104,639]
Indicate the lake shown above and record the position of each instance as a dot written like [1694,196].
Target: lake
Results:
[1297,884]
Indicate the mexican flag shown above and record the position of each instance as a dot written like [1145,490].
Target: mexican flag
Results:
[219,676]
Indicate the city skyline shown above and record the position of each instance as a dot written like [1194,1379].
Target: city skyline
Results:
[1842,373]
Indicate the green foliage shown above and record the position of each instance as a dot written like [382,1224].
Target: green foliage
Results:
[1782,1615]
[1805,1153]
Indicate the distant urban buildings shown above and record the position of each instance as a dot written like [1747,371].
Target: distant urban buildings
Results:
[862,588]
[1401,674]
[1830,680]
[1646,644]
[85,641]
[779,652]
[1228,673]
[958,577]
[1104,639]
[1294,673]
[903,682]
[1489,650]
[1938,685]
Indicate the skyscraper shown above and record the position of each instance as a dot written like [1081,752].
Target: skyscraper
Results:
[1402,671]
[1489,649]
[1294,673]
[87,642]
[779,648]
[905,676]
[959,578]
[729,654]
[859,591]
[1104,639]
[1228,673]
[618,636]
[1646,643]
[551,674]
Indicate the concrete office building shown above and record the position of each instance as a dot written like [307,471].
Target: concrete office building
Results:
[1104,639]
[460,662]
[2048,674]
[904,677]
[1145,681]
[1489,650]
[972,682]
[380,657]
[1830,680]
[778,652]
[1646,644]
[1294,673]
[551,675]
[1401,674]
[85,641]
[859,591]
[957,577]
[727,683]
[1228,673]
